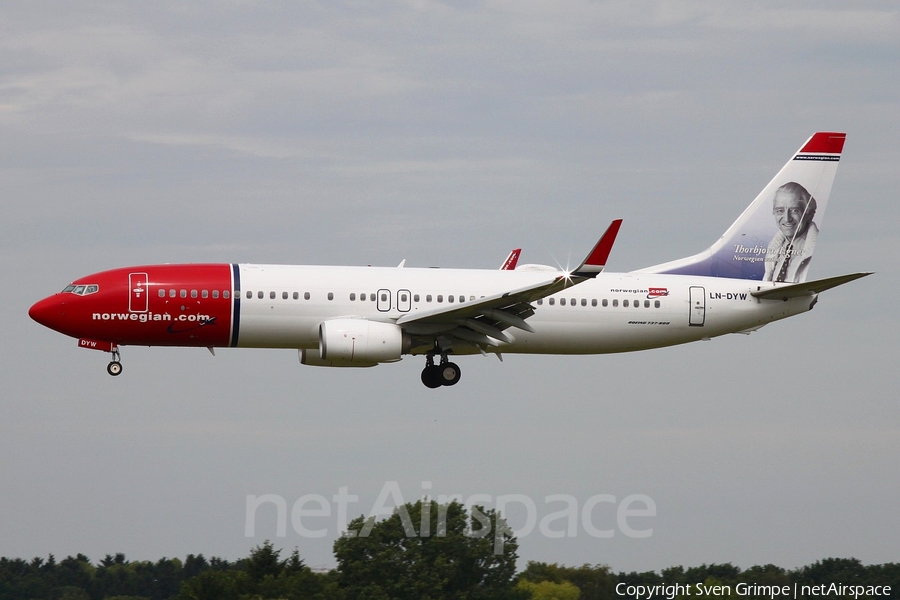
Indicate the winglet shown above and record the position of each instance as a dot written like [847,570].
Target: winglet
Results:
[510,263]
[596,260]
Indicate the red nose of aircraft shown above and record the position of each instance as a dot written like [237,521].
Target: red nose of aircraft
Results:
[50,312]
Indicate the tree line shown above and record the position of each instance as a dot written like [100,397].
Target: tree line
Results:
[466,555]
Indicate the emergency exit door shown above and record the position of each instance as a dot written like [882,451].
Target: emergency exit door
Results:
[698,306]
[384,300]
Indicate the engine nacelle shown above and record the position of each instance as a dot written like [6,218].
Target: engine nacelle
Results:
[360,341]
[311,358]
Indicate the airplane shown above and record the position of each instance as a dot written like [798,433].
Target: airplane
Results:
[349,316]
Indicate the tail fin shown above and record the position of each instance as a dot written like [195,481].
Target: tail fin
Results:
[774,238]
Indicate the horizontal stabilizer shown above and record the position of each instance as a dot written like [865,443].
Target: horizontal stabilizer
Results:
[808,288]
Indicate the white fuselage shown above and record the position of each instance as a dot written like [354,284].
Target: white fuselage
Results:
[282,306]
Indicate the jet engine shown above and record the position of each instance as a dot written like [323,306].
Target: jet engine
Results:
[343,341]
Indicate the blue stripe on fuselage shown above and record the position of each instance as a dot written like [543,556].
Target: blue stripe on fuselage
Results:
[235,304]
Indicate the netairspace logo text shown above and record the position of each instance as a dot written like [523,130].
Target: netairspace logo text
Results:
[558,516]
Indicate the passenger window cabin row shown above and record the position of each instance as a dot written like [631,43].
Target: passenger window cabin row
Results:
[284,295]
[453,298]
[214,294]
[604,302]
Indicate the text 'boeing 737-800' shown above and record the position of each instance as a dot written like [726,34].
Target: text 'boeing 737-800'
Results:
[754,274]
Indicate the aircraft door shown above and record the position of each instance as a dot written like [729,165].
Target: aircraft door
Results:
[698,306]
[403,301]
[384,300]
[138,296]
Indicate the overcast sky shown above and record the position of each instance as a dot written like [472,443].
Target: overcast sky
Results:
[446,134]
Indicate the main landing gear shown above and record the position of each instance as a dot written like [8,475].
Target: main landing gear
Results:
[445,373]
[115,366]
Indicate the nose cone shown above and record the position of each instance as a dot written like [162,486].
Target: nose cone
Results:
[50,312]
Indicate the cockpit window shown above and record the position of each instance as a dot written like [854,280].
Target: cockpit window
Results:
[81,290]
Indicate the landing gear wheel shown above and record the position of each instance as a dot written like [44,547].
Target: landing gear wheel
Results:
[449,373]
[445,373]
[114,367]
[431,377]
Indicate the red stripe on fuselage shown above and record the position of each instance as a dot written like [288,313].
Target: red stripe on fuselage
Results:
[182,305]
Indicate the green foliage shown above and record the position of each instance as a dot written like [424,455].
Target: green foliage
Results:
[428,551]
[262,575]
[723,573]
[72,593]
[594,582]
[216,585]
[833,570]
[264,562]
[548,590]
[396,560]
[194,565]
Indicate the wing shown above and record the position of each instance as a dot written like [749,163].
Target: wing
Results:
[482,322]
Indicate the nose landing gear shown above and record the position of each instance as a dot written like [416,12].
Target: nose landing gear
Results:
[445,373]
[115,366]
